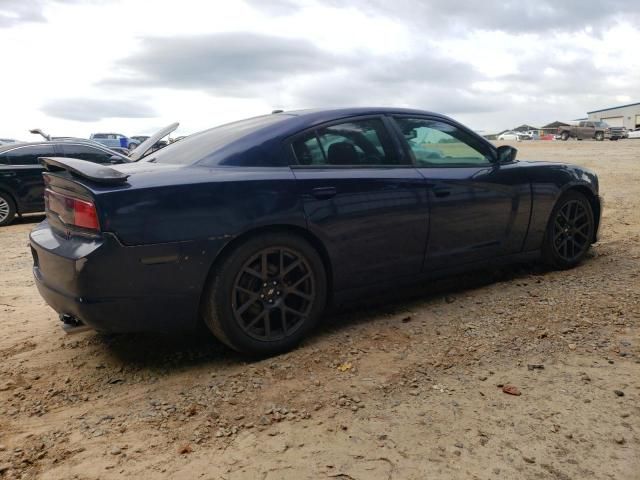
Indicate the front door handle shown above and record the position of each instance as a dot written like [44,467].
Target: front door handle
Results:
[324,193]
[441,192]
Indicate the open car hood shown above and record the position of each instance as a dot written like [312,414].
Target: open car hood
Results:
[145,146]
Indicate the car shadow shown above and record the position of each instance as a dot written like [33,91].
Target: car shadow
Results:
[406,299]
[171,353]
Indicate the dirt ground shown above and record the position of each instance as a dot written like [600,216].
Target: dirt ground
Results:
[408,388]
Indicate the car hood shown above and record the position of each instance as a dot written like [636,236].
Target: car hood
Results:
[144,147]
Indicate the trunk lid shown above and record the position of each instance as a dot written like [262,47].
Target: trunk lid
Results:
[141,150]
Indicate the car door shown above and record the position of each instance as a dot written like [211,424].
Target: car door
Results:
[91,154]
[363,198]
[25,175]
[478,208]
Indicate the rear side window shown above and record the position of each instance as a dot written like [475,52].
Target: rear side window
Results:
[29,155]
[85,152]
[354,143]
[202,147]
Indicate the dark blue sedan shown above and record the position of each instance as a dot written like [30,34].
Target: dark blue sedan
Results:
[255,226]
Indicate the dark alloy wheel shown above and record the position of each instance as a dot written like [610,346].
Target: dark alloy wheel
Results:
[7,209]
[267,294]
[273,294]
[570,231]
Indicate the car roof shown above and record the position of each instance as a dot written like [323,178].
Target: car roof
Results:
[62,141]
[298,120]
[314,116]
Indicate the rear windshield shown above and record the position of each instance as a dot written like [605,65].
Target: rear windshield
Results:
[199,146]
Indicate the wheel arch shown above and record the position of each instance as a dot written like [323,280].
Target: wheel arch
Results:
[289,229]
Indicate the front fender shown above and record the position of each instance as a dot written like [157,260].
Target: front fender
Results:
[549,181]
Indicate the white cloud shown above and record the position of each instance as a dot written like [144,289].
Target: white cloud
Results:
[204,63]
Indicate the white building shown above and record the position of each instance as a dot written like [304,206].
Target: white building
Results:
[622,116]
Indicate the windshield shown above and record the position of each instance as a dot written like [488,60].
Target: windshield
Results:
[198,146]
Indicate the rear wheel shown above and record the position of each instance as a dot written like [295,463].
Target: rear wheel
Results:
[266,295]
[565,136]
[569,232]
[7,209]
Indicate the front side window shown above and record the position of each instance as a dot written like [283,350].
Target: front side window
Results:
[354,143]
[85,152]
[29,155]
[435,143]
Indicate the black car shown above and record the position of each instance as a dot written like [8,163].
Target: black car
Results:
[21,182]
[255,226]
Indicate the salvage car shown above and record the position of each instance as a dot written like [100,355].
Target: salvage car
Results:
[252,228]
[635,133]
[510,135]
[114,140]
[21,182]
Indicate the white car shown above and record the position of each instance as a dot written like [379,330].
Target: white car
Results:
[509,136]
[635,133]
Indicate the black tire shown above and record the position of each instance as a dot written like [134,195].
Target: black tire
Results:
[564,136]
[265,312]
[599,136]
[7,209]
[570,231]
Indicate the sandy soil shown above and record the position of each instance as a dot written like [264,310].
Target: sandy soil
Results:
[407,388]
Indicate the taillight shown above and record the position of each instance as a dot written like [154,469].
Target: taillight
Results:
[72,211]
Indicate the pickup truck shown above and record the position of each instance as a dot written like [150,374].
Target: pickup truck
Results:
[590,129]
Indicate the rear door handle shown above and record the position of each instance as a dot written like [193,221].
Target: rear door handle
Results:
[324,193]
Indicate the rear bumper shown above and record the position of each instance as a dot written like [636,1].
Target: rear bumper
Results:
[117,288]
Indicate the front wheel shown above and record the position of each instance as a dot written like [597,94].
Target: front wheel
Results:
[564,136]
[599,136]
[7,209]
[266,295]
[569,232]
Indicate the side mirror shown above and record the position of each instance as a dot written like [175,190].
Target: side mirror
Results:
[115,159]
[506,154]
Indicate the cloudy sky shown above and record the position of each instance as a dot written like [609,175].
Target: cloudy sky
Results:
[73,67]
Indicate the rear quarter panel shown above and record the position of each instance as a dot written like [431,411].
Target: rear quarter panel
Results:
[197,203]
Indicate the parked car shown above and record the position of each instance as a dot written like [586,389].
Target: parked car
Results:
[21,182]
[139,138]
[510,135]
[635,133]
[255,226]
[588,130]
[112,140]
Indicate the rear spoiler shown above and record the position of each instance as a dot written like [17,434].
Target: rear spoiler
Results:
[88,170]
